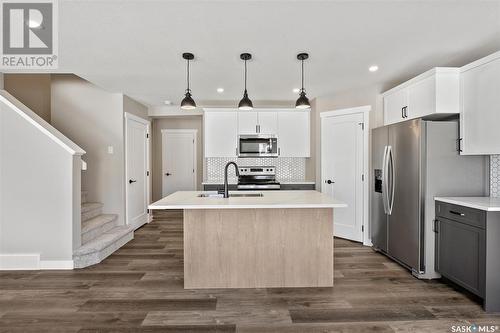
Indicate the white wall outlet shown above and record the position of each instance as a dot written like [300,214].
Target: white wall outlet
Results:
[111,150]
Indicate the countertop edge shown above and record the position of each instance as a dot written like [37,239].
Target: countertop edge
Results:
[466,202]
[278,206]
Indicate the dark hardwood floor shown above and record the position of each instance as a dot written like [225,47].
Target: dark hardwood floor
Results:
[140,289]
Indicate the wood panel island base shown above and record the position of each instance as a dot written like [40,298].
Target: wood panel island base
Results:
[257,248]
[282,239]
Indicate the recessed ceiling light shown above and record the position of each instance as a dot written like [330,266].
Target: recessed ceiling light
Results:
[296,90]
[168,102]
[220,90]
[373,68]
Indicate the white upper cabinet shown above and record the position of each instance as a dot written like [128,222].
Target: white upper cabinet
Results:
[294,133]
[268,122]
[480,106]
[261,122]
[220,133]
[432,95]
[394,106]
[248,122]
[222,127]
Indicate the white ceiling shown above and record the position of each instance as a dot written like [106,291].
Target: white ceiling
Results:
[135,47]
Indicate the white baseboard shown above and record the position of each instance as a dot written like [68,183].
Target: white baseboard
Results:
[25,262]
[56,264]
[19,261]
[150,217]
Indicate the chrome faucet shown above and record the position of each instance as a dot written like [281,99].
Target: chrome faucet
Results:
[226,186]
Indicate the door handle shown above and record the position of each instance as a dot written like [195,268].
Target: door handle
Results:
[385,180]
[168,174]
[130,181]
[329,181]
[393,180]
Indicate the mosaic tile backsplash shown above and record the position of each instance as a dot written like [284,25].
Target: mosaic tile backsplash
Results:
[495,176]
[288,169]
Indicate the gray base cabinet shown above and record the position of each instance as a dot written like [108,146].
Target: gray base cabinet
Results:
[467,250]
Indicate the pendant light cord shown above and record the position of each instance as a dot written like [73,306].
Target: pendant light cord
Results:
[302,75]
[245,75]
[188,90]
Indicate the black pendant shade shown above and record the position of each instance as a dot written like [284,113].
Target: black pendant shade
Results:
[245,103]
[302,102]
[188,102]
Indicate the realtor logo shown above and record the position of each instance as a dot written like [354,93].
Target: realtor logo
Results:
[29,34]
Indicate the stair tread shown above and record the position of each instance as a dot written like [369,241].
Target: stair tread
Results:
[104,240]
[88,206]
[97,221]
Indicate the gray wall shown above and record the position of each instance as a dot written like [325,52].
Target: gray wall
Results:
[33,90]
[184,122]
[93,118]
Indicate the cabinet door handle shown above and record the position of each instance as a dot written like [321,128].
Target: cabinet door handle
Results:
[459,145]
[436,226]
[456,213]
[279,151]
[402,112]
[406,111]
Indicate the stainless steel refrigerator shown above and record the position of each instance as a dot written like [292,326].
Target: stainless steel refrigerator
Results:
[412,162]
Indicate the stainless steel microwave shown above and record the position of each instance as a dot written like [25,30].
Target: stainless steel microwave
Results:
[259,145]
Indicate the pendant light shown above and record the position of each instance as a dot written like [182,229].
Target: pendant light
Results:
[245,103]
[188,102]
[302,102]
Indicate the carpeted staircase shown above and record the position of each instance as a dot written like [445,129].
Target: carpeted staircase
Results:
[101,235]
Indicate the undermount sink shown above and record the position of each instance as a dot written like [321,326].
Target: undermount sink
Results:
[231,195]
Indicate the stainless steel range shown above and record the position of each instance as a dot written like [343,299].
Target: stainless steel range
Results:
[257,178]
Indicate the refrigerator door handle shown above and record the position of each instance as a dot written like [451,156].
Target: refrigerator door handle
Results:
[385,188]
[390,159]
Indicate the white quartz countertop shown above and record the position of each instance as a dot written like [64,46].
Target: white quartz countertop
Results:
[482,203]
[270,199]
[215,182]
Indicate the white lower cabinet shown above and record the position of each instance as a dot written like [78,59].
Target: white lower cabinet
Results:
[480,107]
[294,133]
[220,130]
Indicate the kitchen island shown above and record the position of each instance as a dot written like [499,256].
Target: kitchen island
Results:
[256,239]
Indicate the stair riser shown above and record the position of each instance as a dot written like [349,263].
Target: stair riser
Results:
[91,214]
[96,257]
[91,234]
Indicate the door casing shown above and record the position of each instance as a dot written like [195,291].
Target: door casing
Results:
[364,111]
[130,117]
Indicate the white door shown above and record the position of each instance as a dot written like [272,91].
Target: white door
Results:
[179,160]
[342,154]
[137,172]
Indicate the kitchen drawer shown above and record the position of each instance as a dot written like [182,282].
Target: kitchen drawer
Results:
[466,215]
[299,187]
